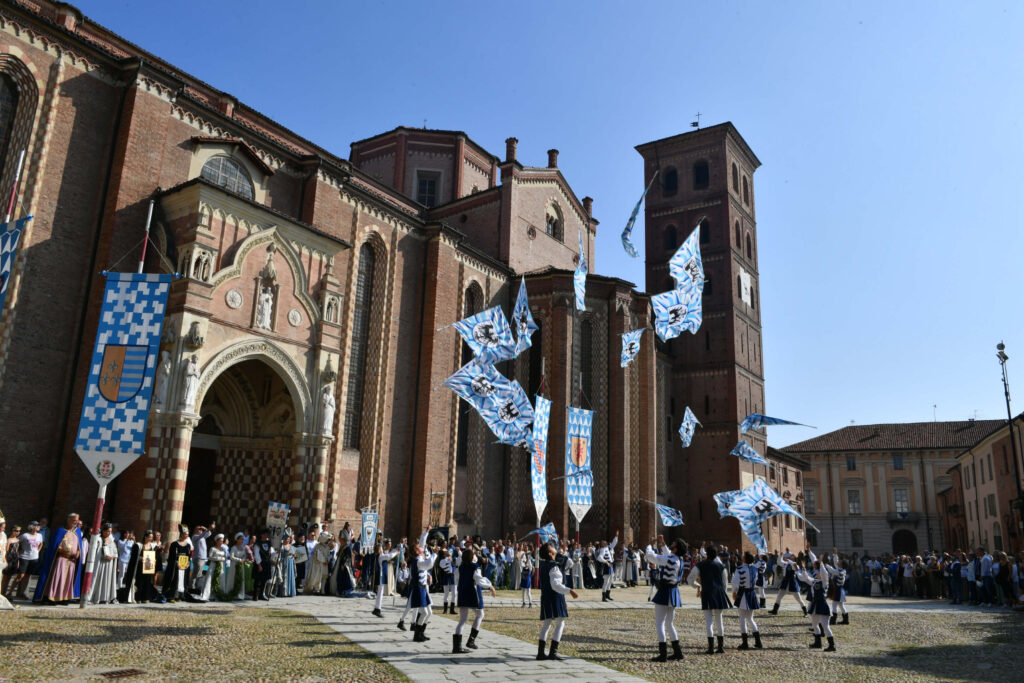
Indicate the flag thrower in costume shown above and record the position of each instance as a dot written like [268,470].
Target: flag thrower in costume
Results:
[689,425]
[754,505]
[756,421]
[744,451]
[676,312]
[686,267]
[487,333]
[579,480]
[630,346]
[669,516]
[628,231]
[579,278]
[522,320]
[539,454]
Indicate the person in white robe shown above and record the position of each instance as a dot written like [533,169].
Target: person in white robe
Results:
[218,558]
[104,582]
[317,565]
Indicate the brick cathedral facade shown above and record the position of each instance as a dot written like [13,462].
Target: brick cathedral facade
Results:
[331,398]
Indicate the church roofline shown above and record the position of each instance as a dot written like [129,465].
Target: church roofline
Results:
[727,128]
[429,131]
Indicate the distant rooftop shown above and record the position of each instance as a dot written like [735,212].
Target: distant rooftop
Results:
[904,436]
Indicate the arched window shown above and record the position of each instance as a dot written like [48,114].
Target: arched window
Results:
[739,243]
[670,237]
[746,192]
[586,363]
[359,346]
[8,107]
[739,286]
[553,223]
[735,179]
[229,174]
[705,230]
[473,305]
[670,182]
[701,175]
[753,297]
[750,251]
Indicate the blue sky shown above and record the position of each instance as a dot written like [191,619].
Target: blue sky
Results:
[889,203]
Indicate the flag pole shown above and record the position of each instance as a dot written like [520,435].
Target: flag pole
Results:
[14,187]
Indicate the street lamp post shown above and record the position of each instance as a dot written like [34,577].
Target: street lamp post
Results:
[1001,355]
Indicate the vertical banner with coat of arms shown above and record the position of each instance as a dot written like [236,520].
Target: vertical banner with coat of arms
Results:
[112,429]
[538,453]
[369,534]
[579,480]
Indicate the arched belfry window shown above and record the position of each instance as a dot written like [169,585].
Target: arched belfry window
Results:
[8,109]
[229,174]
[701,175]
[359,346]
[670,182]
[553,224]
[735,179]
[739,243]
[750,251]
[670,237]
[746,191]
[473,305]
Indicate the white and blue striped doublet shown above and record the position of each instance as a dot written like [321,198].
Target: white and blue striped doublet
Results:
[744,582]
[670,569]
[762,567]
[447,572]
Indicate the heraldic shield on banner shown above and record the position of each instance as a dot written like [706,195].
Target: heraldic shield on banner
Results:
[122,370]
[579,480]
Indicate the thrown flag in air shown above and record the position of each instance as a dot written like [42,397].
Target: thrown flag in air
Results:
[757,503]
[579,278]
[478,383]
[724,500]
[522,320]
[510,415]
[676,312]
[686,266]
[487,333]
[756,421]
[546,533]
[689,425]
[744,451]
[628,231]
[538,453]
[630,346]
[669,516]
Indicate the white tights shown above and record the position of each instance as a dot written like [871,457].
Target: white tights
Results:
[449,593]
[408,608]
[713,617]
[607,586]
[545,627]
[760,592]
[380,598]
[663,621]
[838,607]
[821,621]
[747,618]
[464,617]
[423,615]
[527,595]
[799,600]
[654,589]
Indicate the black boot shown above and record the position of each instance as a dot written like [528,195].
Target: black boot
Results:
[846,618]
[610,596]
[804,608]
[553,654]
[816,645]
[423,631]
[743,645]
[471,643]
[711,647]
[604,596]
[457,648]
[418,636]
[677,652]
[662,653]
[721,645]
[401,624]
[831,645]
[376,613]
[832,619]
[763,603]
[757,640]
[540,650]
[774,610]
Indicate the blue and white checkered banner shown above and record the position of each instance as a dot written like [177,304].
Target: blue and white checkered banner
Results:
[579,278]
[628,231]
[579,479]
[487,333]
[112,429]
[522,319]
[368,537]
[757,503]
[478,383]
[547,533]
[724,500]
[686,266]
[669,516]
[744,451]
[539,454]
[10,238]
[510,415]
[676,312]
[688,427]
[630,346]
[756,421]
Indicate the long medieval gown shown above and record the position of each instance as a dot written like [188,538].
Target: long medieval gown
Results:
[60,574]
[177,573]
[104,581]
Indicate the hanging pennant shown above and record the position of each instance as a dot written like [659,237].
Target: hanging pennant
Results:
[688,427]
[676,312]
[579,480]
[487,333]
[579,278]
[628,231]
[630,346]
[538,459]
[745,451]
[522,319]
[686,267]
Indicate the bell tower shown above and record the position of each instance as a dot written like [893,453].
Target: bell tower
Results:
[705,182]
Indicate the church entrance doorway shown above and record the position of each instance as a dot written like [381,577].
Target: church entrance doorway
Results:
[904,542]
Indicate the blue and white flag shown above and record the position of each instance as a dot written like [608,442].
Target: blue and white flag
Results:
[757,503]
[751,528]
[522,319]
[579,479]
[10,238]
[539,454]
[370,520]
[744,451]
[756,421]
[579,278]
[686,266]
[630,346]
[112,429]
[510,415]
[669,516]
[628,231]
[547,533]
[478,383]
[487,333]
[724,500]
[676,312]
[689,425]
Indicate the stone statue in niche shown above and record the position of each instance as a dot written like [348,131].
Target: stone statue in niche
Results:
[327,410]
[163,376]
[264,308]
[191,384]
[332,310]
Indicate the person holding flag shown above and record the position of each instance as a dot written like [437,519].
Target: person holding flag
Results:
[789,585]
[553,612]
[419,593]
[817,580]
[606,560]
[670,570]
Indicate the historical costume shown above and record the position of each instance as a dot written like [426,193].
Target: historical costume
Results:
[151,559]
[669,566]
[263,558]
[379,578]
[789,585]
[471,597]
[818,582]
[713,598]
[218,585]
[60,574]
[179,560]
[744,588]
[526,582]
[837,592]
[606,560]
[553,611]
[316,566]
[419,593]
[342,583]
[762,567]
[104,581]
[447,567]
[287,586]
[239,570]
